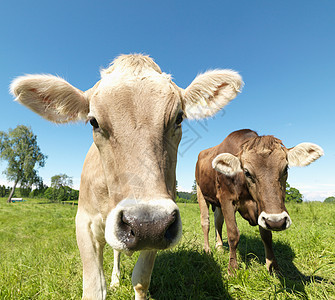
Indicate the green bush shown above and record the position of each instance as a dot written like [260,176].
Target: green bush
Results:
[292,194]
[330,200]
[50,194]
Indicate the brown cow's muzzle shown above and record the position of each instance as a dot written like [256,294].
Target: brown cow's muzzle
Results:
[275,222]
[143,225]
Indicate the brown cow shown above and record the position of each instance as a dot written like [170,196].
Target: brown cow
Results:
[128,183]
[247,173]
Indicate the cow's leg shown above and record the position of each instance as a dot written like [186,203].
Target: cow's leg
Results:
[204,217]
[271,263]
[218,220]
[116,270]
[228,211]
[91,252]
[142,273]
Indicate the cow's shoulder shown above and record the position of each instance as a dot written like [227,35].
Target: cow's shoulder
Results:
[204,169]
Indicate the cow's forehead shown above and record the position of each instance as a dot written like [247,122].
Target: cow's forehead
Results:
[135,97]
[267,157]
[121,77]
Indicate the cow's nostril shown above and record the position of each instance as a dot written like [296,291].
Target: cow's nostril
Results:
[123,219]
[126,226]
[172,230]
[267,225]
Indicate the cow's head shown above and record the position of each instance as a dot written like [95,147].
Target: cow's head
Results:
[136,113]
[264,163]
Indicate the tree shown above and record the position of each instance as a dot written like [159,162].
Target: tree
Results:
[19,148]
[39,190]
[194,192]
[61,185]
[292,194]
[4,191]
[329,200]
[49,193]
[60,181]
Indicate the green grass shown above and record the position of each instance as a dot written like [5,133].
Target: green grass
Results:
[39,258]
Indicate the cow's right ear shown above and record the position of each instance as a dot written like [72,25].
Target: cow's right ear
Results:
[227,164]
[209,92]
[303,154]
[51,97]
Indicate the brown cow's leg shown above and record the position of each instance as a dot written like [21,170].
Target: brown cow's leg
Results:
[228,211]
[218,220]
[271,263]
[91,252]
[142,273]
[204,217]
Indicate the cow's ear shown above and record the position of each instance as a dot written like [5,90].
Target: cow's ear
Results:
[227,164]
[51,97]
[303,154]
[209,92]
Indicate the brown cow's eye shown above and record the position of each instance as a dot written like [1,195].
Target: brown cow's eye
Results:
[247,173]
[249,176]
[94,123]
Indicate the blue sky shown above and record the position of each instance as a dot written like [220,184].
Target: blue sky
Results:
[285,51]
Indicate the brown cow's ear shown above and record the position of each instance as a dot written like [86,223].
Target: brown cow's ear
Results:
[210,92]
[51,97]
[227,164]
[303,154]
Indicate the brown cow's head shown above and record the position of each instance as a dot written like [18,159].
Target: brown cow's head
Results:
[136,113]
[264,161]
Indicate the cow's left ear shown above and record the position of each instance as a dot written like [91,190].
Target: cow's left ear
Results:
[303,154]
[209,92]
[227,164]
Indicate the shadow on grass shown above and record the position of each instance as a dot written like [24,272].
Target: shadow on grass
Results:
[187,274]
[289,275]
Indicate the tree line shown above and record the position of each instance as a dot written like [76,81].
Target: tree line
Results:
[19,148]
[292,195]
[60,190]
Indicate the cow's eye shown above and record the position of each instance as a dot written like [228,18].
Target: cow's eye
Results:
[285,170]
[180,118]
[247,173]
[249,177]
[94,123]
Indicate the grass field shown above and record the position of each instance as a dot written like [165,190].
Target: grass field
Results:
[39,258]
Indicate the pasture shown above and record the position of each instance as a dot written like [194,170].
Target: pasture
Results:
[39,258]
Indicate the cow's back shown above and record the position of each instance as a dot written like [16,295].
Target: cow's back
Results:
[205,175]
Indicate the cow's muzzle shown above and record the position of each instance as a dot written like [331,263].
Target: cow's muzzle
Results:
[136,225]
[275,222]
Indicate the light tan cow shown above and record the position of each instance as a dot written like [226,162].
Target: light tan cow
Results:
[127,188]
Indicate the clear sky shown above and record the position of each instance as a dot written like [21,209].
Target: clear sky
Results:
[285,51]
